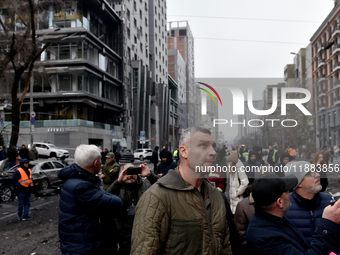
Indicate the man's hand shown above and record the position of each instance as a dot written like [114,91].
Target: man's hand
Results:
[101,176]
[123,175]
[159,175]
[332,212]
[145,170]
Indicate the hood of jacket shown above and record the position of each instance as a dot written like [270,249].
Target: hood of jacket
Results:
[284,155]
[76,172]
[168,156]
[22,161]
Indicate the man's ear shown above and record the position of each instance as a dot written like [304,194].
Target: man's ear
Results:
[279,203]
[184,151]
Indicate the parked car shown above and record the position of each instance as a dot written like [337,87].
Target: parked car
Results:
[49,150]
[142,154]
[44,174]
[127,155]
[6,189]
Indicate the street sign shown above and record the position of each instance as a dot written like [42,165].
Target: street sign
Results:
[142,135]
[32,114]
[32,121]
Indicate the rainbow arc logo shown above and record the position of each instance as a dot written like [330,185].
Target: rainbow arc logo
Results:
[204,97]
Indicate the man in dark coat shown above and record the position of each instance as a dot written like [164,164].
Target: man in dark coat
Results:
[307,201]
[87,213]
[23,153]
[130,188]
[154,158]
[166,164]
[162,151]
[273,156]
[270,232]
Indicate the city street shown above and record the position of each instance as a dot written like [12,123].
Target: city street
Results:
[40,236]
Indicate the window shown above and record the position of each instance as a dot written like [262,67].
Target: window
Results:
[135,5]
[146,22]
[128,32]
[64,52]
[135,22]
[182,32]
[141,47]
[128,14]
[140,14]
[172,33]
[146,6]
[156,9]
[64,82]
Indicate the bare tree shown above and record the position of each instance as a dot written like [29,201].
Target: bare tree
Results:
[19,50]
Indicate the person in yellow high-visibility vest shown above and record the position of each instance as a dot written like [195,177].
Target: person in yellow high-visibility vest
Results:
[273,156]
[176,155]
[23,183]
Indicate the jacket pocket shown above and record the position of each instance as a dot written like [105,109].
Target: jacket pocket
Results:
[186,237]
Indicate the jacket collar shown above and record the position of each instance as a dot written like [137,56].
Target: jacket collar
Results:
[307,203]
[174,180]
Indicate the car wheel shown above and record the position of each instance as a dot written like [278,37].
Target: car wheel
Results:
[44,184]
[6,194]
[141,158]
[53,155]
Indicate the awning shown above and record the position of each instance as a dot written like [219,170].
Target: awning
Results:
[122,142]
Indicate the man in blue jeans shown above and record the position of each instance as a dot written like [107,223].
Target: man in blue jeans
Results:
[23,183]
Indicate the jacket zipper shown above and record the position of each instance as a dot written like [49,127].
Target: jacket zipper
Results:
[209,222]
[311,213]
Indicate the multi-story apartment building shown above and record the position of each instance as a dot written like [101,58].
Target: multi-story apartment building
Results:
[298,75]
[325,49]
[145,70]
[180,37]
[77,89]
[177,71]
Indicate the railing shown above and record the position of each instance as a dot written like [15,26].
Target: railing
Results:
[321,61]
[64,123]
[336,65]
[322,105]
[322,91]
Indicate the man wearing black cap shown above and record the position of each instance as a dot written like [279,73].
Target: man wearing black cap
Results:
[270,232]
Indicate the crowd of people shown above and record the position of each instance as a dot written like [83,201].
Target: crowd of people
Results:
[257,203]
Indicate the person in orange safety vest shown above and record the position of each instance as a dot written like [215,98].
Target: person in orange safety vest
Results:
[23,183]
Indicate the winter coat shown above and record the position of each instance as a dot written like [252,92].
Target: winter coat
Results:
[243,214]
[3,155]
[164,167]
[268,234]
[111,172]
[12,155]
[238,182]
[33,154]
[304,214]
[87,213]
[172,218]
[130,193]
[273,157]
[17,176]
[23,153]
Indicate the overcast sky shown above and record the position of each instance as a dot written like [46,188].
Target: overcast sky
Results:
[247,39]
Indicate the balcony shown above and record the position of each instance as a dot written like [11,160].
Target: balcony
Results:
[336,48]
[322,92]
[322,77]
[322,107]
[336,84]
[321,46]
[336,66]
[336,31]
[321,62]
[336,100]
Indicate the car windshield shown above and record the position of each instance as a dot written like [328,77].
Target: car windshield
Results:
[126,151]
[52,145]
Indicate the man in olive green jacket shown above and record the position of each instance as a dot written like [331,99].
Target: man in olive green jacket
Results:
[110,171]
[183,213]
